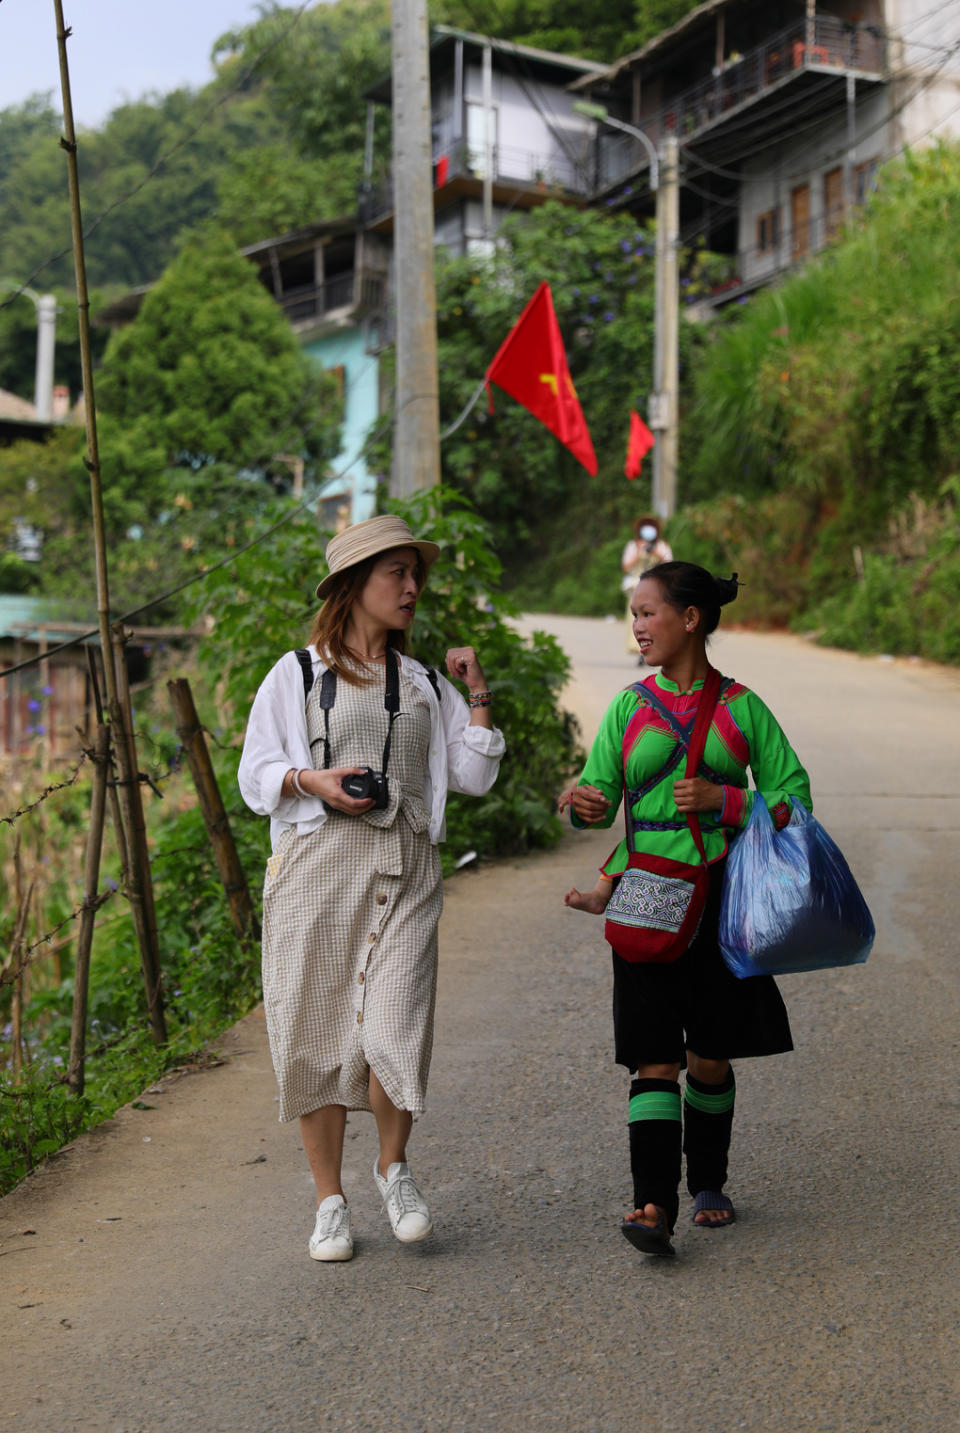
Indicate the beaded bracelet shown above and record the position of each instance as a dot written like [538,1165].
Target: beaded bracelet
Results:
[480,699]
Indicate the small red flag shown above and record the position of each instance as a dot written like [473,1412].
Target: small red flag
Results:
[639,443]
[442,170]
[531,365]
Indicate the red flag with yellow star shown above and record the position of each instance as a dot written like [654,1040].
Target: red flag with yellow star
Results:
[531,365]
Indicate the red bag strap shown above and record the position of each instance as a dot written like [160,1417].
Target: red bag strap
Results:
[706,706]
[698,740]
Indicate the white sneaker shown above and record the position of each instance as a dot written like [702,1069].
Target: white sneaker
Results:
[331,1239]
[405,1205]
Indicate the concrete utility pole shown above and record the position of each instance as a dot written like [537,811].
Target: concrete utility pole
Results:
[666,359]
[663,414]
[46,307]
[416,449]
[46,341]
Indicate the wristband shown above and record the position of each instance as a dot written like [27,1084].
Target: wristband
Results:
[480,699]
[295,778]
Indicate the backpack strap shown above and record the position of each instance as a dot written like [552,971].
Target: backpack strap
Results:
[432,677]
[306,666]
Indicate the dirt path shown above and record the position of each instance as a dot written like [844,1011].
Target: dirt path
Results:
[165,1286]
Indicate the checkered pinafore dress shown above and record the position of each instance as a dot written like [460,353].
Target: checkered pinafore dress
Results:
[350,917]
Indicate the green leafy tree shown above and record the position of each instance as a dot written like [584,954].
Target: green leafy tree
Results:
[42,492]
[203,399]
[316,81]
[148,177]
[598,33]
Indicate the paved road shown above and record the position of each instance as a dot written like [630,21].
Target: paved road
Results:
[166,1289]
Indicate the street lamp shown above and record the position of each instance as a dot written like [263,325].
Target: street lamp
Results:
[46,307]
[599,113]
[662,404]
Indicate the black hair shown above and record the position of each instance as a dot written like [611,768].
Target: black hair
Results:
[687,585]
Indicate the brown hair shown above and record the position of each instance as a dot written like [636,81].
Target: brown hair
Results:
[329,625]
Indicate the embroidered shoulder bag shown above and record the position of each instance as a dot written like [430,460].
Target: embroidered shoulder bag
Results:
[656,908]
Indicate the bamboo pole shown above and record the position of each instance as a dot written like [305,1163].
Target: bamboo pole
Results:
[215,816]
[69,144]
[116,816]
[140,883]
[13,962]
[81,976]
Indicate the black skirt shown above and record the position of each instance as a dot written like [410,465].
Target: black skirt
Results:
[694,1003]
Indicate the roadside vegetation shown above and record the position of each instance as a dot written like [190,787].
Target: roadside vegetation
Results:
[822,447]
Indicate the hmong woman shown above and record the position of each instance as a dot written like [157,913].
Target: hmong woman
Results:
[353,891]
[692,1013]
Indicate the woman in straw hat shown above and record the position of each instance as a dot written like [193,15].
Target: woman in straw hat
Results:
[351,748]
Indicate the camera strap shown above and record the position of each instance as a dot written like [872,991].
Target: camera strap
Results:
[391,702]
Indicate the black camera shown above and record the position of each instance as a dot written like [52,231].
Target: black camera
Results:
[366,784]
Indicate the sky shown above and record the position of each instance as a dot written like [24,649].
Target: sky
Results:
[119,50]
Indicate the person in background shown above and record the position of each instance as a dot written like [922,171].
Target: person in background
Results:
[351,747]
[645,549]
[691,1013]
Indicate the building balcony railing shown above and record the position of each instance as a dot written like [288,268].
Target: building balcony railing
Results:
[821,45]
[361,293]
[509,165]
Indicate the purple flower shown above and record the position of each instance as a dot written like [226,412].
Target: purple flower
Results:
[33,705]
[40,730]
[113,886]
[625,245]
[48,691]
[608,317]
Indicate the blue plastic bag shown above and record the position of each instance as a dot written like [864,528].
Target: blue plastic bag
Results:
[789,900]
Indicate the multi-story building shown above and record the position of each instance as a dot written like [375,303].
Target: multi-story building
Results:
[782,114]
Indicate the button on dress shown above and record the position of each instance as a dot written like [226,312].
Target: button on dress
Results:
[350,921]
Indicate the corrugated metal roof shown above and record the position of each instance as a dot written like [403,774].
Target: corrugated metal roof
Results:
[13,407]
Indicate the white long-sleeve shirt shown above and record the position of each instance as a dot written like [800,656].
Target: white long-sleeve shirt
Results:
[461,757]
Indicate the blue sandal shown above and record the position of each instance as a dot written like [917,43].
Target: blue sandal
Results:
[650,1240]
[719,1203]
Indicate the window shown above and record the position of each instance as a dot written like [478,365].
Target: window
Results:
[768,232]
[481,127]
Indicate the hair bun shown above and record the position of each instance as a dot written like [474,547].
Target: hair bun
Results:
[727,588]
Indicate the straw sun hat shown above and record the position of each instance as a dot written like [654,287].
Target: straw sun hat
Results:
[366,539]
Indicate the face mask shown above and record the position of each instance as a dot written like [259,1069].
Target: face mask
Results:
[648,532]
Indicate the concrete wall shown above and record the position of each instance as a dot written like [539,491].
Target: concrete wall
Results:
[770,178]
[925,75]
[346,349]
[536,133]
